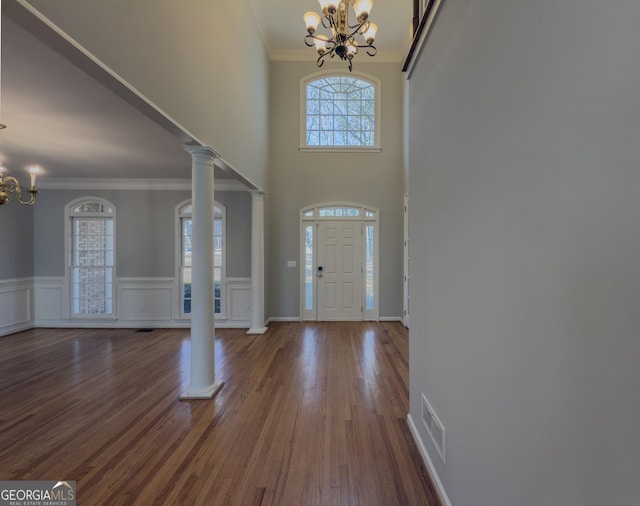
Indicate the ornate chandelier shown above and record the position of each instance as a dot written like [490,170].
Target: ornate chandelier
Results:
[343,35]
[9,184]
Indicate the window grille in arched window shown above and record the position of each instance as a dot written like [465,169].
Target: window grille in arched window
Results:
[92,258]
[340,112]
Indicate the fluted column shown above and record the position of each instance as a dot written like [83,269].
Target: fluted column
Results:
[203,382]
[257,264]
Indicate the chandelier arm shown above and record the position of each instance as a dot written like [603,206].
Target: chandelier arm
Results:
[375,50]
[10,185]
[331,46]
[323,56]
[306,40]
[360,28]
[32,198]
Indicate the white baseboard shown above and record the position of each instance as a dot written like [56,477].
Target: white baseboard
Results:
[427,462]
[233,325]
[296,319]
[13,329]
[116,324]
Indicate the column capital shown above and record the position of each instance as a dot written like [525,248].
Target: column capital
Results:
[257,194]
[202,150]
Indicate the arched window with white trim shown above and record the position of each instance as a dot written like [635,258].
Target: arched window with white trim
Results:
[340,111]
[184,215]
[91,239]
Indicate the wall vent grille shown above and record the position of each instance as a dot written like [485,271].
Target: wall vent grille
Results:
[434,427]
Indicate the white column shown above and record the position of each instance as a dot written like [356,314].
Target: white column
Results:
[203,382]
[257,264]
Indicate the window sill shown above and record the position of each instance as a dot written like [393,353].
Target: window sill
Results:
[349,149]
[187,317]
[104,317]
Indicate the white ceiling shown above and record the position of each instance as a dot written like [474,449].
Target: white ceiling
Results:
[73,126]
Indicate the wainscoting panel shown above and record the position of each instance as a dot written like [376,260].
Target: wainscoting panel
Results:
[239,300]
[139,303]
[50,301]
[145,299]
[16,303]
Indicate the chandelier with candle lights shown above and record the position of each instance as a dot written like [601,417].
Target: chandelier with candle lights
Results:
[344,36]
[9,184]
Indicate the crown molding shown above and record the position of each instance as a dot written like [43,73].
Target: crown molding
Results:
[132,184]
[261,28]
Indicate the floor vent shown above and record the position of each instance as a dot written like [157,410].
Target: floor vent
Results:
[434,427]
[144,330]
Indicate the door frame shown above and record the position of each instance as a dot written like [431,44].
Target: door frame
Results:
[311,216]
[405,277]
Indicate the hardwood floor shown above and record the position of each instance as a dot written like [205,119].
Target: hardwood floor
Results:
[310,414]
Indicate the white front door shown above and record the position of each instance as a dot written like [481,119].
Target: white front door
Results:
[339,270]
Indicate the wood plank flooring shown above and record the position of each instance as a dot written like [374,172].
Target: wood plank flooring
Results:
[310,414]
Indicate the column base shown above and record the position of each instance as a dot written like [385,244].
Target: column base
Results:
[202,393]
[259,330]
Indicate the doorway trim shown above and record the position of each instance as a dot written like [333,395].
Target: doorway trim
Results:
[310,217]
[405,277]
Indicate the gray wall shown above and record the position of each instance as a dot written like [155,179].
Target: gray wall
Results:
[145,231]
[298,179]
[524,228]
[179,58]
[238,206]
[16,240]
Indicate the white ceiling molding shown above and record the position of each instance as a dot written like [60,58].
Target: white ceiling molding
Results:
[261,26]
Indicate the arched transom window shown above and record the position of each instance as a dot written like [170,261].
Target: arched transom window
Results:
[340,112]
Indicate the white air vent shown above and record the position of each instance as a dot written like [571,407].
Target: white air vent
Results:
[427,417]
[434,427]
